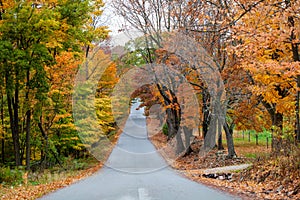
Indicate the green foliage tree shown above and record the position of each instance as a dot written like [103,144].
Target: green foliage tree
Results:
[41,46]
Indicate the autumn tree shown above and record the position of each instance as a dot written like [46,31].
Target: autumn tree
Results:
[39,38]
[268,51]
[153,23]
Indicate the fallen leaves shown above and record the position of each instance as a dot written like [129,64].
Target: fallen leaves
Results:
[26,192]
[276,178]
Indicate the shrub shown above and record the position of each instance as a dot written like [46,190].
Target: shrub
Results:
[11,176]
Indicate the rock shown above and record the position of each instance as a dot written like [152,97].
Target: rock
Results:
[279,188]
[229,176]
[220,176]
[210,176]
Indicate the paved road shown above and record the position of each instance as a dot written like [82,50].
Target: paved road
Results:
[135,171]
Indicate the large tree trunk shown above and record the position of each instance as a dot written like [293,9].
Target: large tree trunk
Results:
[297,131]
[173,116]
[277,121]
[229,138]
[277,142]
[210,138]
[205,111]
[171,125]
[220,142]
[173,129]
[296,58]
[179,144]
[188,133]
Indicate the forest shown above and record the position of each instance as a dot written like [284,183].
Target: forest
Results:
[214,69]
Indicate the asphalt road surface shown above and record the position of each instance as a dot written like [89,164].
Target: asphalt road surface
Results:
[135,171]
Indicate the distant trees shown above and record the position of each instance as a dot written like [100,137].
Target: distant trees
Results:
[255,46]
[155,18]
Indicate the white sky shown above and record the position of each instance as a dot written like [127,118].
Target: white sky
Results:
[116,23]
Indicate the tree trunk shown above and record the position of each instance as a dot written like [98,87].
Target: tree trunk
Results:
[3,132]
[205,111]
[173,115]
[3,150]
[173,129]
[171,126]
[16,125]
[297,110]
[220,142]
[230,145]
[276,139]
[296,58]
[210,138]
[44,152]
[13,115]
[188,134]
[179,144]
[47,149]
[87,63]
[28,119]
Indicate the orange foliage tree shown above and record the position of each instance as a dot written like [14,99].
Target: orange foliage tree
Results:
[267,40]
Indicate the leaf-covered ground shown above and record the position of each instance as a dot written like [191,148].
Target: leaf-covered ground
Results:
[51,179]
[28,191]
[268,178]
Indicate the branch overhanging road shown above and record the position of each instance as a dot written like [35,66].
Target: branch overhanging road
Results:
[135,171]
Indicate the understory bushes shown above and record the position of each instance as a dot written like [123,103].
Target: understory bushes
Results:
[11,176]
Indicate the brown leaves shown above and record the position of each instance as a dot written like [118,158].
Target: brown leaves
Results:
[277,178]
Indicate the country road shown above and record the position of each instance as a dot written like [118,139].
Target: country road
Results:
[135,171]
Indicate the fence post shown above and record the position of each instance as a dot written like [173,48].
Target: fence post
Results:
[256,137]
[249,136]
[243,135]
[272,139]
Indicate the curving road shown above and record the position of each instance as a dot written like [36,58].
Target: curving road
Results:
[135,171]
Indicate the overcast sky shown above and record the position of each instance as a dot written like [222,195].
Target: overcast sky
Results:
[116,23]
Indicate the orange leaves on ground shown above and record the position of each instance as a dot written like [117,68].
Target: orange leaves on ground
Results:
[32,192]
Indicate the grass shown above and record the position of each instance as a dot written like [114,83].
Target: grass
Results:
[35,184]
[244,136]
[247,149]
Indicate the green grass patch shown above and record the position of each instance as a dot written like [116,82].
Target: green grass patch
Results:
[251,155]
[250,137]
[15,176]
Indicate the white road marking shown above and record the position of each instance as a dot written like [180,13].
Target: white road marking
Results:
[143,194]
